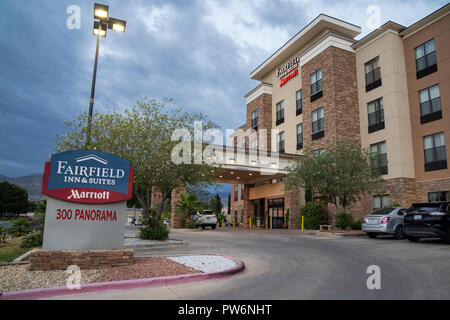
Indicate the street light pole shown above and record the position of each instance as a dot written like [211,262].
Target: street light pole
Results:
[102,22]
[91,101]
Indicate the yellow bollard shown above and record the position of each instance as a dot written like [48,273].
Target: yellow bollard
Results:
[303,222]
[250,222]
[270,223]
[233,223]
[222,223]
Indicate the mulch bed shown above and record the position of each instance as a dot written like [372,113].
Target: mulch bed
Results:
[17,277]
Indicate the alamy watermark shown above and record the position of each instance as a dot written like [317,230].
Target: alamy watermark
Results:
[73,277]
[374,20]
[74,19]
[374,280]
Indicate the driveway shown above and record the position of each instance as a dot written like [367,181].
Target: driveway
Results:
[285,264]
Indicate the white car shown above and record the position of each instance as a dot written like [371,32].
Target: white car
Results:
[205,219]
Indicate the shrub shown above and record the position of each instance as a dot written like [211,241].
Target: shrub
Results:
[357,225]
[396,205]
[344,221]
[161,232]
[314,214]
[191,225]
[20,227]
[33,240]
[3,234]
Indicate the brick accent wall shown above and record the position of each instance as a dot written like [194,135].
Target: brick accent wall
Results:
[175,217]
[264,105]
[84,259]
[340,98]
[292,202]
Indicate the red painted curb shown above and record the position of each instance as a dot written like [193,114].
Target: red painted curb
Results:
[42,293]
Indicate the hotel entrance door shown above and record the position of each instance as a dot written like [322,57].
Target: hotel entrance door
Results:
[276,211]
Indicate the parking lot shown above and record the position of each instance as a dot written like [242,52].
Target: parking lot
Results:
[287,264]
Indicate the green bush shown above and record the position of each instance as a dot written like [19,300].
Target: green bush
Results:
[20,227]
[314,214]
[344,221]
[357,225]
[33,240]
[191,225]
[3,234]
[161,232]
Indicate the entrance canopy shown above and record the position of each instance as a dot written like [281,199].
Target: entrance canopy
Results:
[246,166]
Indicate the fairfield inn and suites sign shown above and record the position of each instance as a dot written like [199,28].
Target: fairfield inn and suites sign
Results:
[87,193]
[288,71]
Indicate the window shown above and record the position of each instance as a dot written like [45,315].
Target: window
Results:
[379,160]
[281,142]
[242,191]
[430,104]
[255,120]
[381,202]
[425,59]
[254,144]
[373,74]
[300,136]
[236,191]
[298,99]
[280,112]
[244,142]
[316,85]
[438,196]
[434,151]
[375,111]
[318,124]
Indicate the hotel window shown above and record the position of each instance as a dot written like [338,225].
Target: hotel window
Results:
[298,99]
[254,144]
[375,111]
[379,159]
[318,124]
[242,191]
[435,152]
[244,142]
[381,202]
[281,142]
[425,59]
[255,120]
[438,196]
[300,136]
[236,191]
[430,104]
[373,74]
[316,85]
[280,112]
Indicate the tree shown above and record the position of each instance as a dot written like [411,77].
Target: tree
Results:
[13,199]
[20,227]
[341,175]
[142,134]
[188,204]
[216,204]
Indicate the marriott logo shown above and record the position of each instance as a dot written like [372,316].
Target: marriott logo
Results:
[75,194]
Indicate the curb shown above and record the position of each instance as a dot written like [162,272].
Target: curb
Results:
[33,294]
[158,245]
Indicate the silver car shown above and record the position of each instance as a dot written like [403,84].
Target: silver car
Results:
[385,221]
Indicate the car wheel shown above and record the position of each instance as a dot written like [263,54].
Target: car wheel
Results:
[413,238]
[213,227]
[398,234]
[372,235]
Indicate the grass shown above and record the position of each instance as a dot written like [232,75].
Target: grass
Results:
[12,250]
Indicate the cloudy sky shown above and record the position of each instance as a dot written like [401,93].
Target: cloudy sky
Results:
[199,53]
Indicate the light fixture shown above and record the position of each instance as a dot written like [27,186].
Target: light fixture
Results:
[101,11]
[220,176]
[273,165]
[253,162]
[250,174]
[232,172]
[238,178]
[117,24]
[97,29]
[232,160]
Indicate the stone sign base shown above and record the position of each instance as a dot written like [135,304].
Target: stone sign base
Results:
[84,259]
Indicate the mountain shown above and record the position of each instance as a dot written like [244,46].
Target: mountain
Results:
[31,183]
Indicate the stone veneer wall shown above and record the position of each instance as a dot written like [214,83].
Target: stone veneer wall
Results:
[175,217]
[84,259]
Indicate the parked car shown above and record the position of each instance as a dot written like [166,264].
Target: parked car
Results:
[428,220]
[385,221]
[206,218]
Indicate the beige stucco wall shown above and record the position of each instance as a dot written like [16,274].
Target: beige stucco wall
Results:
[397,132]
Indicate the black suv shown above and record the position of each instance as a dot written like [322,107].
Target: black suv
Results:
[428,220]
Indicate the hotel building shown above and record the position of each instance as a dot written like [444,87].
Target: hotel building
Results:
[388,92]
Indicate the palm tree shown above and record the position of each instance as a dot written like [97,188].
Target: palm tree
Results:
[188,204]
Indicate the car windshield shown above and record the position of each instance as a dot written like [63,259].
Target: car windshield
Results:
[207,212]
[382,211]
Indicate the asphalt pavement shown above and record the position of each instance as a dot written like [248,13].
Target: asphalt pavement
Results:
[288,264]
